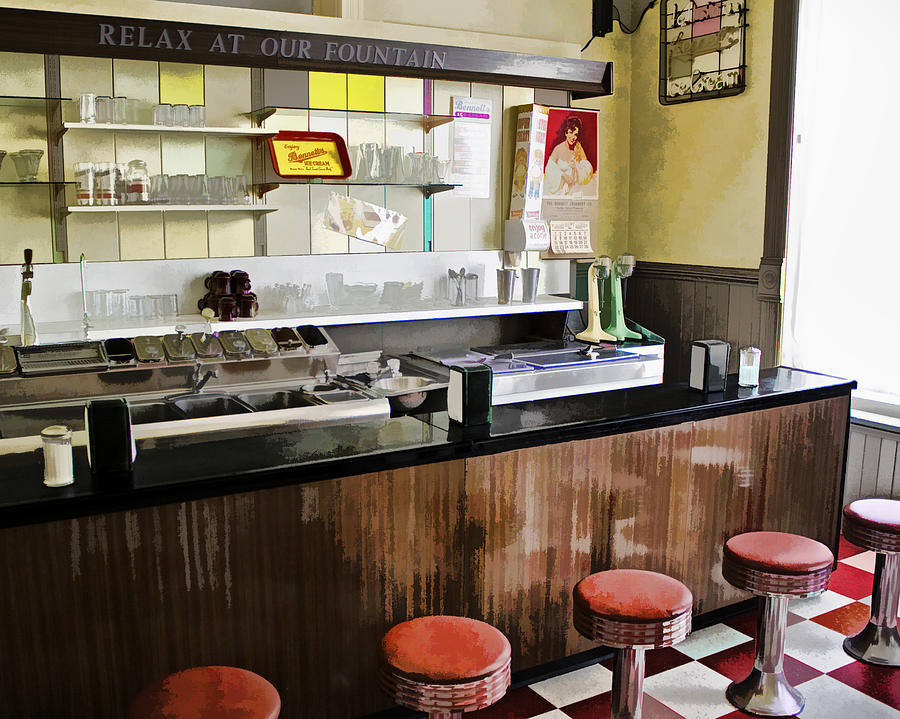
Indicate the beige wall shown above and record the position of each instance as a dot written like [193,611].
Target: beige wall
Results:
[698,169]
[683,183]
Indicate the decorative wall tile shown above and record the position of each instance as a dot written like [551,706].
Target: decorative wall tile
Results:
[328,90]
[185,155]
[186,235]
[287,230]
[365,92]
[286,88]
[404,94]
[21,73]
[140,236]
[230,234]
[227,92]
[97,236]
[181,83]
[138,79]
[324,241]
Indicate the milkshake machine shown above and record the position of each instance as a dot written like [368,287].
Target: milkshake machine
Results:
[606,301]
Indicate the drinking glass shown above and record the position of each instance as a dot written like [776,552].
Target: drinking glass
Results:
[181,116]
[84,179]
[167,306]
[27,163]
[197,115]
[239,194]
[179,191]
[372,157]
[120,110]
[98,306]
[133,111]
[87,109]
[159,189]
[162,115]
[217,190]
[199,190]
[117,301]
[334,283]
[105,111]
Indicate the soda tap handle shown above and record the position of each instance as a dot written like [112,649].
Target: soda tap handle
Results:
[28,256]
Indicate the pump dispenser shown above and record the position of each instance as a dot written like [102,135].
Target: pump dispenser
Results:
[29,331]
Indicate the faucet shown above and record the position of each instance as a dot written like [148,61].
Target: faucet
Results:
[197,382]
[85,319]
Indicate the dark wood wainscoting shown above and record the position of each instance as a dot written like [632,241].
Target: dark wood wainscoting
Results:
[691,302]
[298,583]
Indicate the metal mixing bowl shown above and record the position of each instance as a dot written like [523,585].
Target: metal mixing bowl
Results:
[405,391]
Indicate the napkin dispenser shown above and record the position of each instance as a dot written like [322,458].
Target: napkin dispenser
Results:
[111,448]
[469,394]
[709,365]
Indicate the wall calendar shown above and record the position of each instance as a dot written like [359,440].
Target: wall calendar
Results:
[702,49]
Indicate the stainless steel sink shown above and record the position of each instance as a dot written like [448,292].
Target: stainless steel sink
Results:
[279,399]
[28,421]
[147,412]
[209,405]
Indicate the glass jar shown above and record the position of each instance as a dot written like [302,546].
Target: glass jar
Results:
[748,370]
[84,177]
[137,183]
[58,465]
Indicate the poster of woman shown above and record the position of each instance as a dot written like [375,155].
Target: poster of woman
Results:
[571,153]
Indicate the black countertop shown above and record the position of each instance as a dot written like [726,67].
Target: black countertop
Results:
[172,470]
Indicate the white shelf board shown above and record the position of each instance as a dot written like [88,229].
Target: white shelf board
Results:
[113,127]
[171,208]
[320,316]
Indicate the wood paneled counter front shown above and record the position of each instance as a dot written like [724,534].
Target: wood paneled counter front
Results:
[291,554]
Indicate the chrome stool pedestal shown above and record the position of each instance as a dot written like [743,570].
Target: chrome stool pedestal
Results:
[775,566]
[875,524]
[631,610]
[765,691]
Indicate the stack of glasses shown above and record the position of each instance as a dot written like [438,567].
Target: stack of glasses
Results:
[199,190]
[116,308]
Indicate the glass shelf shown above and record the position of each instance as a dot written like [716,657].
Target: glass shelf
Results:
[27,101]
[428,122]
[116,127]
[170,208]
[39,183]
[260,189]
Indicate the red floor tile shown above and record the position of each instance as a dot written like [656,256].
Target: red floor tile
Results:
[599,706]
[746,623]
[658,660]
[851,582]
[847,620]
[517,704]
[736,663]
[882,683]
[738,714]
[847,550]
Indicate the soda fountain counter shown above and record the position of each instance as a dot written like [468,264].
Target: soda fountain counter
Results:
[291,551]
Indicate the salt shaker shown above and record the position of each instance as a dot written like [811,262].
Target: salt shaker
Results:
[58,469]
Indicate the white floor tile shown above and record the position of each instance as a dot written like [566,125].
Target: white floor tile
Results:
[711,640]
[553,714]
[693,690]
[817,646]
[864,561]
[814,606]
[575,686]
[827,697]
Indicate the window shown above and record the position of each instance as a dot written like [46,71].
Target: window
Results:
[843,251]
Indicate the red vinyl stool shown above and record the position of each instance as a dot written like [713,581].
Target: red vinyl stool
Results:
[209,692]
[875,524]
[444,665]
[776,566]
[631,610]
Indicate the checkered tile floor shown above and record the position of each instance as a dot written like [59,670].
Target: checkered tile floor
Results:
[689,679]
